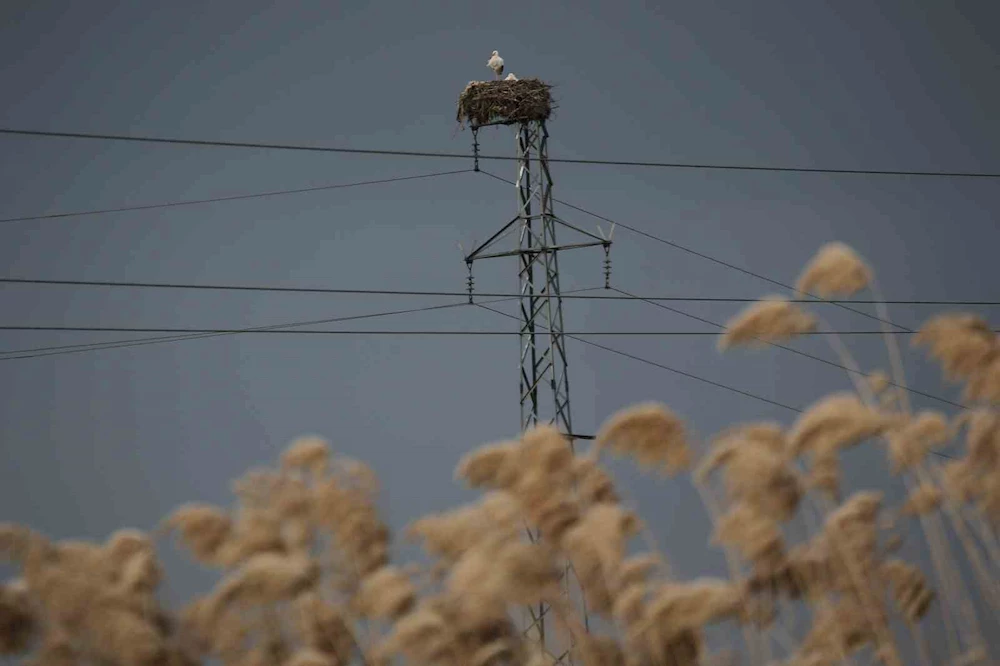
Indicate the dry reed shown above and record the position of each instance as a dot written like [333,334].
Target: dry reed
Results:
[773,319]
[836,270]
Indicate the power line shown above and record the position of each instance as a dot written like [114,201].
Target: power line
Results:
[235,197]
[413,292]
[135,342]
[689,375]
[178,334]
[447,155]
[720,262]
[661,366]
[138,329]
[797,352]
[96,346]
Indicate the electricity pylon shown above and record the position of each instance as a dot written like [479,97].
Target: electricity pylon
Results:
[544,385]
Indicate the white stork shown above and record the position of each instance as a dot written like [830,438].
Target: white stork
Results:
[496,64]
[511,77]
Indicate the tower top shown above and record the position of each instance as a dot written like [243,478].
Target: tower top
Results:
[505,102]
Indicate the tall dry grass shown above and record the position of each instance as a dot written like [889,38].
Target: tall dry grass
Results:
[306,578]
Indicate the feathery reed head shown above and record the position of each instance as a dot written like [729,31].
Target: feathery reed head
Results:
[836,270]
[203,529]
[386,594]
[651,433]
[311,453]
[769,320]
[963,344]
[836,422]
[911,440]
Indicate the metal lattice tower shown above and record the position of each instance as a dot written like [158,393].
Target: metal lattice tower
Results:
[544,381]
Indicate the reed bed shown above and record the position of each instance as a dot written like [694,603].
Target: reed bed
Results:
[306,578]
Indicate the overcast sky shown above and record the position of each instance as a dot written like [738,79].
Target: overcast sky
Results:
[98,440]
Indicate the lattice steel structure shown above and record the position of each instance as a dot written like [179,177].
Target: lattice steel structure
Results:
[544,381]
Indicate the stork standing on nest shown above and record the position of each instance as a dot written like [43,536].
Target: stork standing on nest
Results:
[496,64]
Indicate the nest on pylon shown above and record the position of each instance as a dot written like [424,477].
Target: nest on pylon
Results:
[505,102]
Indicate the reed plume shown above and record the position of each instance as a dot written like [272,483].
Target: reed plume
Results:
[651,433]
[836,270]
[772,319]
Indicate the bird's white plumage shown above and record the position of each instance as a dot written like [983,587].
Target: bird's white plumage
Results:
[511,77]
[496,64]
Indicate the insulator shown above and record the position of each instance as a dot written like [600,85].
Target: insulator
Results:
[470,282]
[607,266]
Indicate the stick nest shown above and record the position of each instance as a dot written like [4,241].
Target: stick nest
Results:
[504,102]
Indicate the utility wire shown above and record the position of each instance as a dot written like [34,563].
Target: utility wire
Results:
[209,333]
[139,329]
[621,296]
[658,365]
[235,197]
[720,262]
[205,333]
[414,153]
[820,359]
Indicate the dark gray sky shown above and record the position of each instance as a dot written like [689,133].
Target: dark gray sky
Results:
[98,440]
